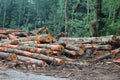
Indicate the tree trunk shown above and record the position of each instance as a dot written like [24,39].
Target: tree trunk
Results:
[98,8]
[66,17]
[4,15]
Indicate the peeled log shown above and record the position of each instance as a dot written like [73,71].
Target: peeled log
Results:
[27,48]
[23,58]
[33,55]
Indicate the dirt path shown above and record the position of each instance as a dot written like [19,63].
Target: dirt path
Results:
[9,74]
[98,71]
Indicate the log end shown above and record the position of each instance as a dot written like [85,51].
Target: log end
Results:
[11,36]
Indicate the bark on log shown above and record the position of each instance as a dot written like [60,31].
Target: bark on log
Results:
[3,36]
[102,39]
[100,52]
[53,47]
[13,42]
[63,43]
[71,47]
[20,34]
[97,46]
[28,43]
[77,49]
[56,53]
[7,31]
[112,53]
[28,48]
[33,55]
[73,53]
[44,38]
[23,58]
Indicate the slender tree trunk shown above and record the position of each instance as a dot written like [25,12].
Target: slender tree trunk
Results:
[19,15]
[4,15]
[98,8]
[54,25]
[88,11]
[37,11]
[113,20]
[109,17]
[66,18]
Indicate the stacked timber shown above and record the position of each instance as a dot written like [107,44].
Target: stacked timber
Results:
[42,49]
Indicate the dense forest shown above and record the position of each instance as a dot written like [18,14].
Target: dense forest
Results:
[77,17]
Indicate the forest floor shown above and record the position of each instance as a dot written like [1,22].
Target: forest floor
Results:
[104,70]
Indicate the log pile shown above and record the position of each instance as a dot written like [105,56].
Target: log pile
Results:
[42,49]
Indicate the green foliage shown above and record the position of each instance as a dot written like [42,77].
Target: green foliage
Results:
[32,14]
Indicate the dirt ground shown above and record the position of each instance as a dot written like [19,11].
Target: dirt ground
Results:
[104,70]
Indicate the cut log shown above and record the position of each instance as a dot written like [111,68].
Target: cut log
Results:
[20,34]
[117,62]
[71,47]
[63,43]
[44,38]
[13,42]
[69,52]
[3,36]
[112,53]
[33,55]
[29,43]
[100,52]
[7,31]
[23,58]
[103,39]
[97,46]
[53,47]
[11,36]
[56,53]
[77,49]
[27,48]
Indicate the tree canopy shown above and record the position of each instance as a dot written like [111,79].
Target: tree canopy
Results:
[77,17]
